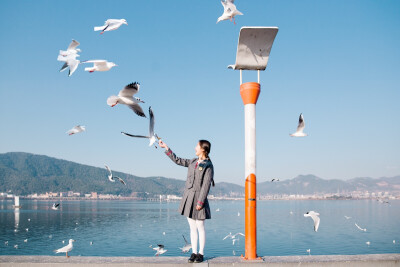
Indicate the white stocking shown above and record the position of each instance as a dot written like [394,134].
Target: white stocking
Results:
[202,235]
[193,234]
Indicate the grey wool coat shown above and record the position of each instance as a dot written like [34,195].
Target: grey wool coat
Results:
[199,179]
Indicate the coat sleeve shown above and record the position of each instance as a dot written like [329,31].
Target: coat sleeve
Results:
[205,187]
[177,160]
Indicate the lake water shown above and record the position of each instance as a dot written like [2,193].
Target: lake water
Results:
[128,228]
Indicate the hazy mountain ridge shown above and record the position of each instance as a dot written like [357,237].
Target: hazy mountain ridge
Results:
[26,173]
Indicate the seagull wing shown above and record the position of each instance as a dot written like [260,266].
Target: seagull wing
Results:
[239,234]
[316,220]
[132,135]
[137,109]
[57,205]
[151,127]
[119,179]
[185,240]
[301,124]
[96,61]
[108,169]
[130,90]
[160,246]
[73,65]
[74,44]
[230,235]
[64,67]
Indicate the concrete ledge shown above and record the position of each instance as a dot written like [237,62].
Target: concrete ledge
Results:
[372,260]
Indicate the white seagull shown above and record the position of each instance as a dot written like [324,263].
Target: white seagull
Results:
[362,229]
[186,247]
[71,50]
[300,127]
[314,215]
[274,180]
[160,250]
[125,96]
[110,25]
[56,206]
[66,249]
[153,137]
[113,178]
[99,65]
[230,11]
[232,236]
[347,217]
[76,129]
[69,61]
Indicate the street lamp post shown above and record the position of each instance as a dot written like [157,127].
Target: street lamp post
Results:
[253,51]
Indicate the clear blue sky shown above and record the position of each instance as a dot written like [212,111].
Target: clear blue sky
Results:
[337,62]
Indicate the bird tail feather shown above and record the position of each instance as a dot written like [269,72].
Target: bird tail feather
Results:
[112,100]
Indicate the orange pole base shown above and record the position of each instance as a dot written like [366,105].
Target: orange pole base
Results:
[250,218]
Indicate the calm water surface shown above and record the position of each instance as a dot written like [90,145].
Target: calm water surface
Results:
[128,228]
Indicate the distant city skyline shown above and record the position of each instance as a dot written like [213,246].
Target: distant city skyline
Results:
[335,62]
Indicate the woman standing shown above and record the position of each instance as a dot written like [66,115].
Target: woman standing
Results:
[194,204]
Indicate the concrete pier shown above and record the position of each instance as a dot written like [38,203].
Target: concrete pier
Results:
[372,260]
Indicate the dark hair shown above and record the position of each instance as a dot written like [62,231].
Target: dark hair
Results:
[206,146]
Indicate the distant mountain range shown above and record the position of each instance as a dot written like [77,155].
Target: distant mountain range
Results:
[26,173]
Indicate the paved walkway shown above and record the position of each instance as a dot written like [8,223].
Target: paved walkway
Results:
[374,260]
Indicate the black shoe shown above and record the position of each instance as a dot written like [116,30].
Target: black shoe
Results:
[192,258]
[199,258]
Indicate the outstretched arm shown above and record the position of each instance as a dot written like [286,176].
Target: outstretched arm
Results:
[172,156]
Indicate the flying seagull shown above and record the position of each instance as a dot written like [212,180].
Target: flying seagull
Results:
[56,206]
[274,180]
[232,236]
[186,247]
[152,136]
[314,215]
[99,65]
[230,11]
[160,250]
[113,178]
[362,229]
[300,127]
[66,249]
[76,129]
[110,25]
[125,96]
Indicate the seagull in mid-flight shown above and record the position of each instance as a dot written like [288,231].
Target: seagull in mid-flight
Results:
[186,247]
[69,57]
[230,11]
[274,180]
[66,249]
[56,206]
[314,215]
[300,127]
[76,129]
[99,65]
[153,137]
[160,250]
[113,178]
[110,25]
[232,236]
[362,229]
[125,96]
